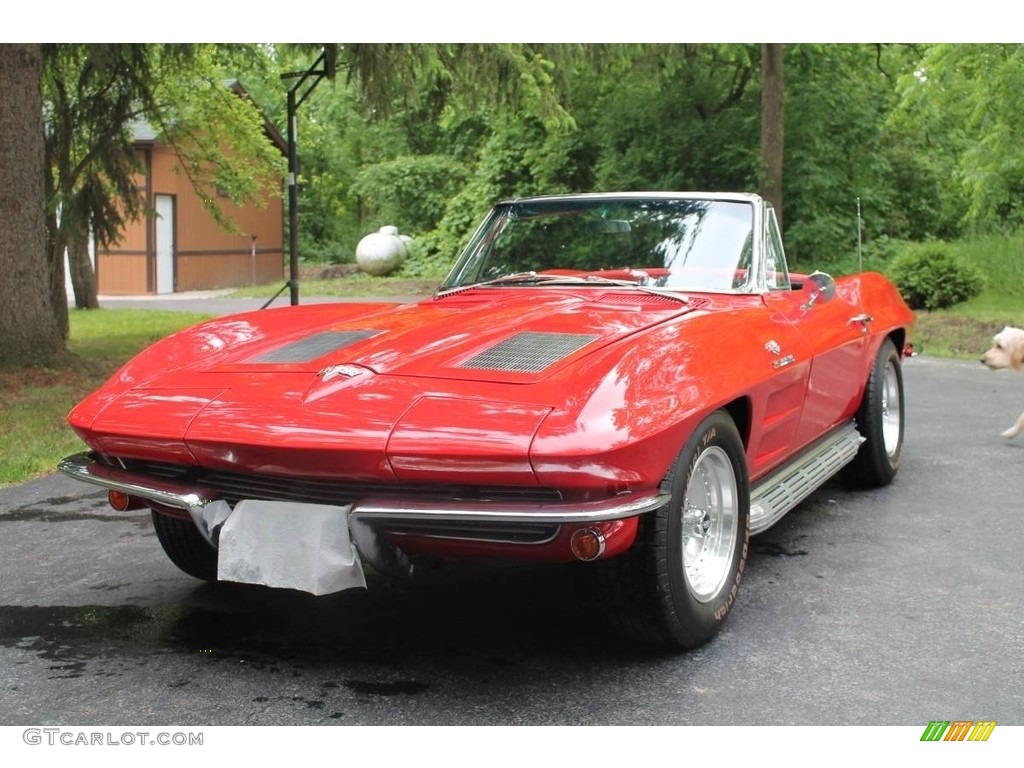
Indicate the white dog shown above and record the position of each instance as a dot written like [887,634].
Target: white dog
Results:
[1007,353]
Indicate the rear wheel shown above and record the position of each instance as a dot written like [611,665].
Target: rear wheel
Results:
[679,581]
[186,547]
[880,422]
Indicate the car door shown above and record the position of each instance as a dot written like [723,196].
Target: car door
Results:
[834,328]
[782,360]
[785,356]
[838,330]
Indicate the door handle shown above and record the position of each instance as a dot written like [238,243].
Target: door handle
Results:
[863,319]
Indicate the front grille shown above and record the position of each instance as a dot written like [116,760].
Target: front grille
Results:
[520,533]
[234,486]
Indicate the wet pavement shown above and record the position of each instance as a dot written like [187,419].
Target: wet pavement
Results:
[889,607]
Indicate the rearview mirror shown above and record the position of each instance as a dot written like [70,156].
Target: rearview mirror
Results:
[608,227]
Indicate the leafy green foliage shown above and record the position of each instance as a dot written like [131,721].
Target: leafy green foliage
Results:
[508,166]
[410,191]
[929,276]
[673,117]
[962,103]
[97,96]
[89,153]
[215,128]
[1000,257]
[426,137]
[838,150]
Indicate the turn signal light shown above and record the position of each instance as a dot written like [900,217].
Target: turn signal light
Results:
[586,544]
[122,502]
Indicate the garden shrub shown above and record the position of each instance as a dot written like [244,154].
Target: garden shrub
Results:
[930,277]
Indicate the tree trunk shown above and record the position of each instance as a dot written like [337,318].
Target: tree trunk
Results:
[83,276]
[59,294]
[29,329]
[772,115]
[55,249]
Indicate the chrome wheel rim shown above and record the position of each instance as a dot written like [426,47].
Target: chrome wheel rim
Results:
[892,417]
[710,523]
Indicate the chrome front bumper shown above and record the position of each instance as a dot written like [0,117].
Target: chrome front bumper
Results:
[204,504]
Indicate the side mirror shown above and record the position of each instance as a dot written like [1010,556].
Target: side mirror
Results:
[820,286]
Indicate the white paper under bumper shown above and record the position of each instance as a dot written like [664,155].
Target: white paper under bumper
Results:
[289,545]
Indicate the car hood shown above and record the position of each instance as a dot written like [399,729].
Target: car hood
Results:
[500,335]
[371,392]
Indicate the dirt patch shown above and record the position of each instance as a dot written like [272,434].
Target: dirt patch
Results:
[73,373]
[369,286]
[961,337]
[327,271]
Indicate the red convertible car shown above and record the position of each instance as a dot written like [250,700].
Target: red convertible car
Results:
[633,379]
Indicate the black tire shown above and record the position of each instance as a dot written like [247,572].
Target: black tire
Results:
[186,547]
[678,582]
[880,422]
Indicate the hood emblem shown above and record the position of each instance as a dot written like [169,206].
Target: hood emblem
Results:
[346,370]
[773,347]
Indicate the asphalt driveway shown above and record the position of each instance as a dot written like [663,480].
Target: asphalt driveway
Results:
[891,607]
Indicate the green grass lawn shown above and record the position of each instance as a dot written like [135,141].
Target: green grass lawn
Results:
[349,286]
[965,331]
[36,400]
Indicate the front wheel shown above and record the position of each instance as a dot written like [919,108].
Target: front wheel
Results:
[186,547]
[679,581]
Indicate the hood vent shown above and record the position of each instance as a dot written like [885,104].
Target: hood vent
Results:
[312,347]
[529,352]
[643,300]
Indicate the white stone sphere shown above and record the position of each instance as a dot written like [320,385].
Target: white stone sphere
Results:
[381,252]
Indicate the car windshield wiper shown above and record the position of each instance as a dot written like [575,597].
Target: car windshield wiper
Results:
[534,278]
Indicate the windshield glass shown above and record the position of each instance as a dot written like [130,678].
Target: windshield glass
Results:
[672,243]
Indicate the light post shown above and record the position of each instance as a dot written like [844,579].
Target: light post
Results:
[323,67]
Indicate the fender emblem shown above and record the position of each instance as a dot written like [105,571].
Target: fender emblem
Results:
[773,347]
[782,362]
[333,371]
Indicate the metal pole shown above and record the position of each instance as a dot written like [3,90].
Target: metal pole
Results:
[326,62]
[293,203]
[860,254]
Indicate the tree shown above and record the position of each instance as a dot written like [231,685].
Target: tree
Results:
[28,325]
[95,94]
[398,132]
[838,149]
[772,124]
[92,95]
[472,122]
[187,104]
[678,116]
[963,104]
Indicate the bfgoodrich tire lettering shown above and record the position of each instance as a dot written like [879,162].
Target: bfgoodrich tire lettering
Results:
[679,581]
[186,547]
